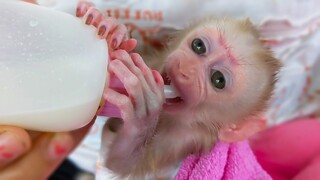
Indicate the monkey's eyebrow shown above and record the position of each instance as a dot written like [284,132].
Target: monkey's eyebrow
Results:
[231,56]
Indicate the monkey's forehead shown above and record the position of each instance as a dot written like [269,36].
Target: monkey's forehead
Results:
[226,23]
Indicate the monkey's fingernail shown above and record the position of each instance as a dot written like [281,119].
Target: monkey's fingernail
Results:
[102,30]
[78,12]
[89,19]
[114,43]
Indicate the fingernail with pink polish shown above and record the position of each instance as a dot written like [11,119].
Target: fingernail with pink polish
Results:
[114,43]
[102,30]
[78,12]
[60,145]
[89,19]
[10,147]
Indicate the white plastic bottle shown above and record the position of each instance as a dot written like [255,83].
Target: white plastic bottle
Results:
[52,68]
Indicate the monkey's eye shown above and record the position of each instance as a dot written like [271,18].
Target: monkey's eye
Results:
[217,79]
[198,46]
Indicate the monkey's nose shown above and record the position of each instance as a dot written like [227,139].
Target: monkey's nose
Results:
[186,70]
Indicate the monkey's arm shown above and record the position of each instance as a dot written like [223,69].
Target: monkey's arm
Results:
[167,149]
[124,153]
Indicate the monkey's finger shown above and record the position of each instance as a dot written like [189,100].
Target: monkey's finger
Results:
[128,45]
[105,27]
[138,61]
[127,60]
[82,8]
[131,83]
[159,80]
[147,90]
[123,56]
[93,17]
[13,143]
[154,94]
[122,102]
[119,34]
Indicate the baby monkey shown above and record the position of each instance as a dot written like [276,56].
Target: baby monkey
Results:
[224,77]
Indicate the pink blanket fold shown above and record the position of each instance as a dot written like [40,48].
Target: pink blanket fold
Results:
[229,161]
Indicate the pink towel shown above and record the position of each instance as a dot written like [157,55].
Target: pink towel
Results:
[229,161]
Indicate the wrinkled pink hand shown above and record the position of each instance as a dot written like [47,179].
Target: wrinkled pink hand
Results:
[108,28]
[116,36]
[143,98]
[140,106]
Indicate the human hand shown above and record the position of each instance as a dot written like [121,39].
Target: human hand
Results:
[35,155]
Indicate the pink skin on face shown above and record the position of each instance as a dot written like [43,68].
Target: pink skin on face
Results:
[230,54]
[190,73]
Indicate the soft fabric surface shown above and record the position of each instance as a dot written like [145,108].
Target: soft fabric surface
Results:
[290,150]
[225,161]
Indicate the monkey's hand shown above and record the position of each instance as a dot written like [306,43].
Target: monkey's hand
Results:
[108,28]
[140,109]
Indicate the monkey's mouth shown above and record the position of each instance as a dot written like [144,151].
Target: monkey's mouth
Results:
[171,93]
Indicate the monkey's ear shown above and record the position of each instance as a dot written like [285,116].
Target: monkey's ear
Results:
[242,130]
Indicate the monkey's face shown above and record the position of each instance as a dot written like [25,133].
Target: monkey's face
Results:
[210,76]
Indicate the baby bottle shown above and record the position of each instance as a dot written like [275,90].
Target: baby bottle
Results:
[52,68]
